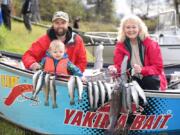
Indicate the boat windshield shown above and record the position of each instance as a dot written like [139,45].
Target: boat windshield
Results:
[167,22]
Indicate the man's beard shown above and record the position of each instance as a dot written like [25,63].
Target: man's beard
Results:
[61,33]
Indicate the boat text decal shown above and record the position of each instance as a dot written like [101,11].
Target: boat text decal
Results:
[100,119]
[8,81]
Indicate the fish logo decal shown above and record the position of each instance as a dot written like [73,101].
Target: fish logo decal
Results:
[16,92]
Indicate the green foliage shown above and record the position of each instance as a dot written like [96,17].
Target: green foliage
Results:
[103,11]
[106,10]
[3,33]
[151,24]
[18,39]
[17,5]
[48,7]
[11,130]
[73,7]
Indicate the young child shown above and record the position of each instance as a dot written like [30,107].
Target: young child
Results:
[57,62]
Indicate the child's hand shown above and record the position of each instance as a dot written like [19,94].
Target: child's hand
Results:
[35,66]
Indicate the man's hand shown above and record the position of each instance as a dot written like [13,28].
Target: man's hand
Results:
[35,66]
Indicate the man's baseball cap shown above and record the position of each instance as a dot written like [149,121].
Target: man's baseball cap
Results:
[60,15]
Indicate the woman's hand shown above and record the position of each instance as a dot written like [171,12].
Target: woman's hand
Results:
[112,69]
[137,68]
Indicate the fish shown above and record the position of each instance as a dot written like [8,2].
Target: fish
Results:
[39,85]
[35,79]
[90,94]
[108,90]
[71,87]
[47,89]
[124,68]
[80,87]
[102,91]
[53,91]
[134,95]
[124,97]
[128,98]
[140,92]
[115,106]
[95,94]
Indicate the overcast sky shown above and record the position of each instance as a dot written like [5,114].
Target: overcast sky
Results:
[122,7]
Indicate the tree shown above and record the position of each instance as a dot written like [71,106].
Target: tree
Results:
[103,10]
[95,10]
[48,7]
[176,6]
[35,11]
[73,7]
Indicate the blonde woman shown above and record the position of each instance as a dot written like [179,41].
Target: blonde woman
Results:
[144,54]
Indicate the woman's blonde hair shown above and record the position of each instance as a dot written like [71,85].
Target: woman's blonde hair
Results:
[142,27]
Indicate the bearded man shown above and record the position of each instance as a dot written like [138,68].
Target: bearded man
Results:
[60,29]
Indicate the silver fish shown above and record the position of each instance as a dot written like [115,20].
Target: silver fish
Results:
[39,85]
[124,68]
[96,94]
[53,91]
[102,92]
[47,89]
[108,89]
[115,106]
[124,97]
[128,98]
[80,87]
[90,94]
[71,87]
[35,79]
[140,92]
[134,95]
